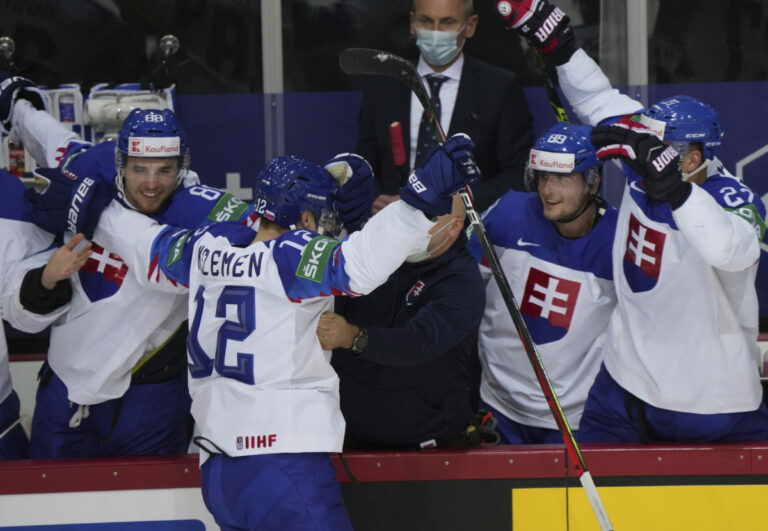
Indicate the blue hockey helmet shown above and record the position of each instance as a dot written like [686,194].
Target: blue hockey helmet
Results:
[565,148]
[151,133]
[688,120]
[288,186]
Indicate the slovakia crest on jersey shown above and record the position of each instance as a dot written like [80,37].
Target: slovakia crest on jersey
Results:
[642,257]
[102,275]
[413,294]
[548,305]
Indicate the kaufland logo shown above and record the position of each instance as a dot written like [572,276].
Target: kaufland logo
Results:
[548,161]
[155,147]
[137,146]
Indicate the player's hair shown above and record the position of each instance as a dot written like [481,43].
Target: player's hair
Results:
[469,7]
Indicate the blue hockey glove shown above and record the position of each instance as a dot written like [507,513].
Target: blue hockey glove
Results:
[68,202]
[445,170]
[11,89]
[657,163]
[353,199]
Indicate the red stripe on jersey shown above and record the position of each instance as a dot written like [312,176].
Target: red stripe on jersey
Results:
[152,267]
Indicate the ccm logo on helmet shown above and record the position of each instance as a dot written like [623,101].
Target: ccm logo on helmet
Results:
[154,147]
[74,209]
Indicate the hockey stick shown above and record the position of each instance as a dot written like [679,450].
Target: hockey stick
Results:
[550,88]
[10,428]
[365,61]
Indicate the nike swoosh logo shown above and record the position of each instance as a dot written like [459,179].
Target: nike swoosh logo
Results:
[521,243]
[636,187]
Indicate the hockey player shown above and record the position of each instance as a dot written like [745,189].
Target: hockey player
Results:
[554,246]
[19,237]
[265,398]
[687,231]
[115,380]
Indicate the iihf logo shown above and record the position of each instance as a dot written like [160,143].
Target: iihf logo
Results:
[413,294]
[239,443]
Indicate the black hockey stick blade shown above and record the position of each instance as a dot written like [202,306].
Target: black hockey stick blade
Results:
[372,62]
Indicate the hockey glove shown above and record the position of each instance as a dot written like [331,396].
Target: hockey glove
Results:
[657,163]
[67,202]
[13,88]
[544,24]
[445,170]
[354,197]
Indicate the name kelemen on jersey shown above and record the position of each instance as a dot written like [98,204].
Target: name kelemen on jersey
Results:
[219,263]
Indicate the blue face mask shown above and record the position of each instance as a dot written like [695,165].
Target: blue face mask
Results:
[438,47]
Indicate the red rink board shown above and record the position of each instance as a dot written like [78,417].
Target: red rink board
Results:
[499,462]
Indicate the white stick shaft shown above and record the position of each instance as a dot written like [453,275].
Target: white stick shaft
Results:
[594,500]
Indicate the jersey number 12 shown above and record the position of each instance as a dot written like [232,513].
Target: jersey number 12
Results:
[201,364]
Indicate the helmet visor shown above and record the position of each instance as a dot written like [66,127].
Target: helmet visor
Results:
[329,222]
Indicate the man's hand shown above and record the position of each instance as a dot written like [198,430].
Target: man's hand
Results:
[381,201]
[334,331]
[65,262]
[445,170]
[657,163]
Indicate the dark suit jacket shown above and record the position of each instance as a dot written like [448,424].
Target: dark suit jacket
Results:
[490,107]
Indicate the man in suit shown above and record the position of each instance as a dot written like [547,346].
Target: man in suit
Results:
[476,98]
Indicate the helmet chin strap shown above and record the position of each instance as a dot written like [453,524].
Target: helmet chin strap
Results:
[702,166]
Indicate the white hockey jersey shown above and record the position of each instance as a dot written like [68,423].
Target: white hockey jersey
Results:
[564,288]
[684,336]
[259,380]
[113,321]
[19,238]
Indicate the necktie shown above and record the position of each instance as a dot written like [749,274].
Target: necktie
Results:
[428,130]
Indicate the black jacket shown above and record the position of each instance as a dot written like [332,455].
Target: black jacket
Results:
[418,378]
[490,107]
